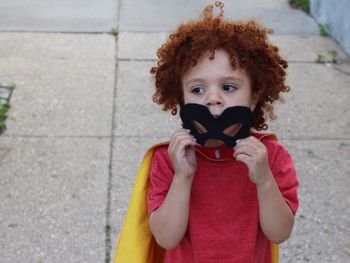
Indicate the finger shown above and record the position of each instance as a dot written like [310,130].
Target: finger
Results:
[256,142]
[244,149]
[182,148]
[184,142]
[247,141]
[183,136]
[191,156]
[180,131]
[177,132]
[243,158]
[179,136]
[175,137]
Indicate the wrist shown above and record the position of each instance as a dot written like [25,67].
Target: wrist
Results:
[181,186]
[181,178]
[266,183]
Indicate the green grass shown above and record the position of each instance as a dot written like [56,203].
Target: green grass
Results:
[320,59]
[3,115]
[333,54]
[301,4]
[323,30]
[114,32]
[329,57]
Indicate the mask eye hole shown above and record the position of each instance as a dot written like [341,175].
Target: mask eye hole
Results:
[233,129]
[199,127]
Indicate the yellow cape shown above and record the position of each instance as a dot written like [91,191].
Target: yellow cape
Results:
[136,243]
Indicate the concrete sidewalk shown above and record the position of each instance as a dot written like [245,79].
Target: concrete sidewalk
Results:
[82,117]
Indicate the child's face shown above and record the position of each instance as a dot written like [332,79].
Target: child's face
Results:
[215,84]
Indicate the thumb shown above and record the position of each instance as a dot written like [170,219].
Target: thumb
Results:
[191,155]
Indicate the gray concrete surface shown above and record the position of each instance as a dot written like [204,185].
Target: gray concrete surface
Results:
[276,14]
[82,117]
[334,15]
[53,196]
[54,166]
[51,82]
[59,16]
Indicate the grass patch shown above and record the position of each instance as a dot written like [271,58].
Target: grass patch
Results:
[333,54]
[5,95]
[300,4]
[3,115]
[323,30]
[330,57]
[114,32]
[320,59]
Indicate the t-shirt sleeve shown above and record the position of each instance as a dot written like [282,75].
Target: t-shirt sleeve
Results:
[161,176]
[282,168]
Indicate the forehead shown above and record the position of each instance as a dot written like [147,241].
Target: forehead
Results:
[214,65]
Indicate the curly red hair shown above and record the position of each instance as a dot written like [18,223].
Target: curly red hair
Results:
[247,44]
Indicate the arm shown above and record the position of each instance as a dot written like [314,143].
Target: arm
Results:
[169,222]
[276,217]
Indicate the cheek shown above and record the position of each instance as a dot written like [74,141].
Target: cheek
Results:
[253,101]
[189,97]
[252,107]
[184,97]
[239,99]
[249,99]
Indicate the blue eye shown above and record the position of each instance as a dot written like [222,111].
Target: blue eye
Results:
[229,87]
[198,89]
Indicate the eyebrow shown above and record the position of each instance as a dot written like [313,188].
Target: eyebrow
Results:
[225,78]
[194,80]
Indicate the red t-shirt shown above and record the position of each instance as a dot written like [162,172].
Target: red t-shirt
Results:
[224,217]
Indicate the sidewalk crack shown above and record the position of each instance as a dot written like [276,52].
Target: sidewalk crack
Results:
[108,239]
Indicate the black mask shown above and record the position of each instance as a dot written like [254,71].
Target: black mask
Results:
[203,125]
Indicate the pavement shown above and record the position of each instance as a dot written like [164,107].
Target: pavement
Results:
[82,117]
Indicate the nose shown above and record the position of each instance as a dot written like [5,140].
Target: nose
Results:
[214,98]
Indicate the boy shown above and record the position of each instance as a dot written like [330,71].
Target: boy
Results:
[220,194]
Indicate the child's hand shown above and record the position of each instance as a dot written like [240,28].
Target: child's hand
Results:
[181,152]
[254,154]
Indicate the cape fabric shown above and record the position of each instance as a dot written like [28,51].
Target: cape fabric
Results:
[136,243]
